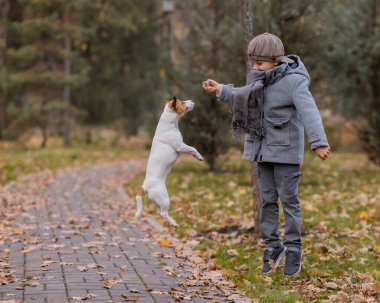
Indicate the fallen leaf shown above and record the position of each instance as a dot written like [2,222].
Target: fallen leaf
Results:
[94,265]
[363,216]
[92,244]
[82,298]
[159,292]
[330,285]
[164,242]
[108,283]
[233,252]
[31,284]
[47,263]
[123,268]
[129,298]
[82,268]
[54,246]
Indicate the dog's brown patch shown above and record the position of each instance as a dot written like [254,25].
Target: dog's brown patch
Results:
[140,191]
[178,106]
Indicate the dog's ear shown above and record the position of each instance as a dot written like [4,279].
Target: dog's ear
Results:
[174,103]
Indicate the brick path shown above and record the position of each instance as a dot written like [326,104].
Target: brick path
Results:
[73,239]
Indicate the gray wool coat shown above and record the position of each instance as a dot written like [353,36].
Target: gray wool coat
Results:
[288,109]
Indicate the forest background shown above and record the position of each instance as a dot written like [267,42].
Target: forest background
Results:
[73,70]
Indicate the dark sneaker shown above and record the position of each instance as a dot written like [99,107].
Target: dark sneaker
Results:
[292,261]
[272,258]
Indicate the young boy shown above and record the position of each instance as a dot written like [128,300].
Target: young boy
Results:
[272,110]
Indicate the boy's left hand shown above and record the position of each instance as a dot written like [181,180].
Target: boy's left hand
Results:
[323,152]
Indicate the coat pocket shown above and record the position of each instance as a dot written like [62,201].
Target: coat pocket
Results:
[278,131]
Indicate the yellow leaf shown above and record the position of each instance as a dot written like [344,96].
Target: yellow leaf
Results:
[164,242]
[363,216]
[242,191]
[376,273]
[6,250]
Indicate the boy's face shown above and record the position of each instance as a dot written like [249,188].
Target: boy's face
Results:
[263,65]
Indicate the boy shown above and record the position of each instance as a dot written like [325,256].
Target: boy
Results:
[272,110]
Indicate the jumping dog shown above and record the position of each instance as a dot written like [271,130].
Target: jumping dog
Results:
[166,147]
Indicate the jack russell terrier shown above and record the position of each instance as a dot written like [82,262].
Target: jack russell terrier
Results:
[166,146]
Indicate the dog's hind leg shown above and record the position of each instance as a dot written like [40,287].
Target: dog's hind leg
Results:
[161,198]
[165,209]
[165,214]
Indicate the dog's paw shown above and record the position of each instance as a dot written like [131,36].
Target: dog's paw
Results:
[199,157]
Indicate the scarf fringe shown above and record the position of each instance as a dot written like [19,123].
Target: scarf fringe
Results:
[242,123]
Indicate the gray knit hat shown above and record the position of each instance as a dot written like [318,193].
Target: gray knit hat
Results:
[267,47]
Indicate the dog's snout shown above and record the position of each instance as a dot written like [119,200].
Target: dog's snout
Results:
[190,104]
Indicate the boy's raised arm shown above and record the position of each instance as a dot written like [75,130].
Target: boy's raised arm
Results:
[223,92]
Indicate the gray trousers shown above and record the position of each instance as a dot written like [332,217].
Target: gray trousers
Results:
[279,180]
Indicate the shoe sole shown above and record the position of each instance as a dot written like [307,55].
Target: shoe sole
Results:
[280,257]
[267,273]
[297,272]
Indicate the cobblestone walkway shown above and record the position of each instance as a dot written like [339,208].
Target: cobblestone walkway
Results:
[73,239]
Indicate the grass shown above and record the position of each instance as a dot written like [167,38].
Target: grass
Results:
[340,224]
[16,160]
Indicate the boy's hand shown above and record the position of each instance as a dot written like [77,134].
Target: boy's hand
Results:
[322,152]
[212,86]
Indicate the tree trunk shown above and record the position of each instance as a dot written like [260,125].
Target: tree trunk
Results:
[44,136]
[88,136]
[4,9]
[248,35]
[67,70]
[248,26]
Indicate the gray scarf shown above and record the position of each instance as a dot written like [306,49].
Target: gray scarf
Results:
[247,105]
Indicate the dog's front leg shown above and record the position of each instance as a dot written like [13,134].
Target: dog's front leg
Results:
[184,148]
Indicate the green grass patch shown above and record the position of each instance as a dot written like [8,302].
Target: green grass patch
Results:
[340,222]
[17,161]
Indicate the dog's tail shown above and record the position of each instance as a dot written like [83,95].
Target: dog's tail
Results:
[139,203]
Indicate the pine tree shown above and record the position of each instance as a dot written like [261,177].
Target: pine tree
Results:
[36,67]
[123,54]
[213,49]
[301,25]
[354,57]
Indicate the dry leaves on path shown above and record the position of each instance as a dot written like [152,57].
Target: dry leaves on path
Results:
[83,298]
[129,298]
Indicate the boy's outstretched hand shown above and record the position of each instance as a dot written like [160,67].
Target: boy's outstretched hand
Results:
[323,152]
[212,86]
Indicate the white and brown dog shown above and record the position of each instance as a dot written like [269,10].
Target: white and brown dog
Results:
[166,146]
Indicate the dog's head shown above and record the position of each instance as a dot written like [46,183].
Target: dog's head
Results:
[180,107]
